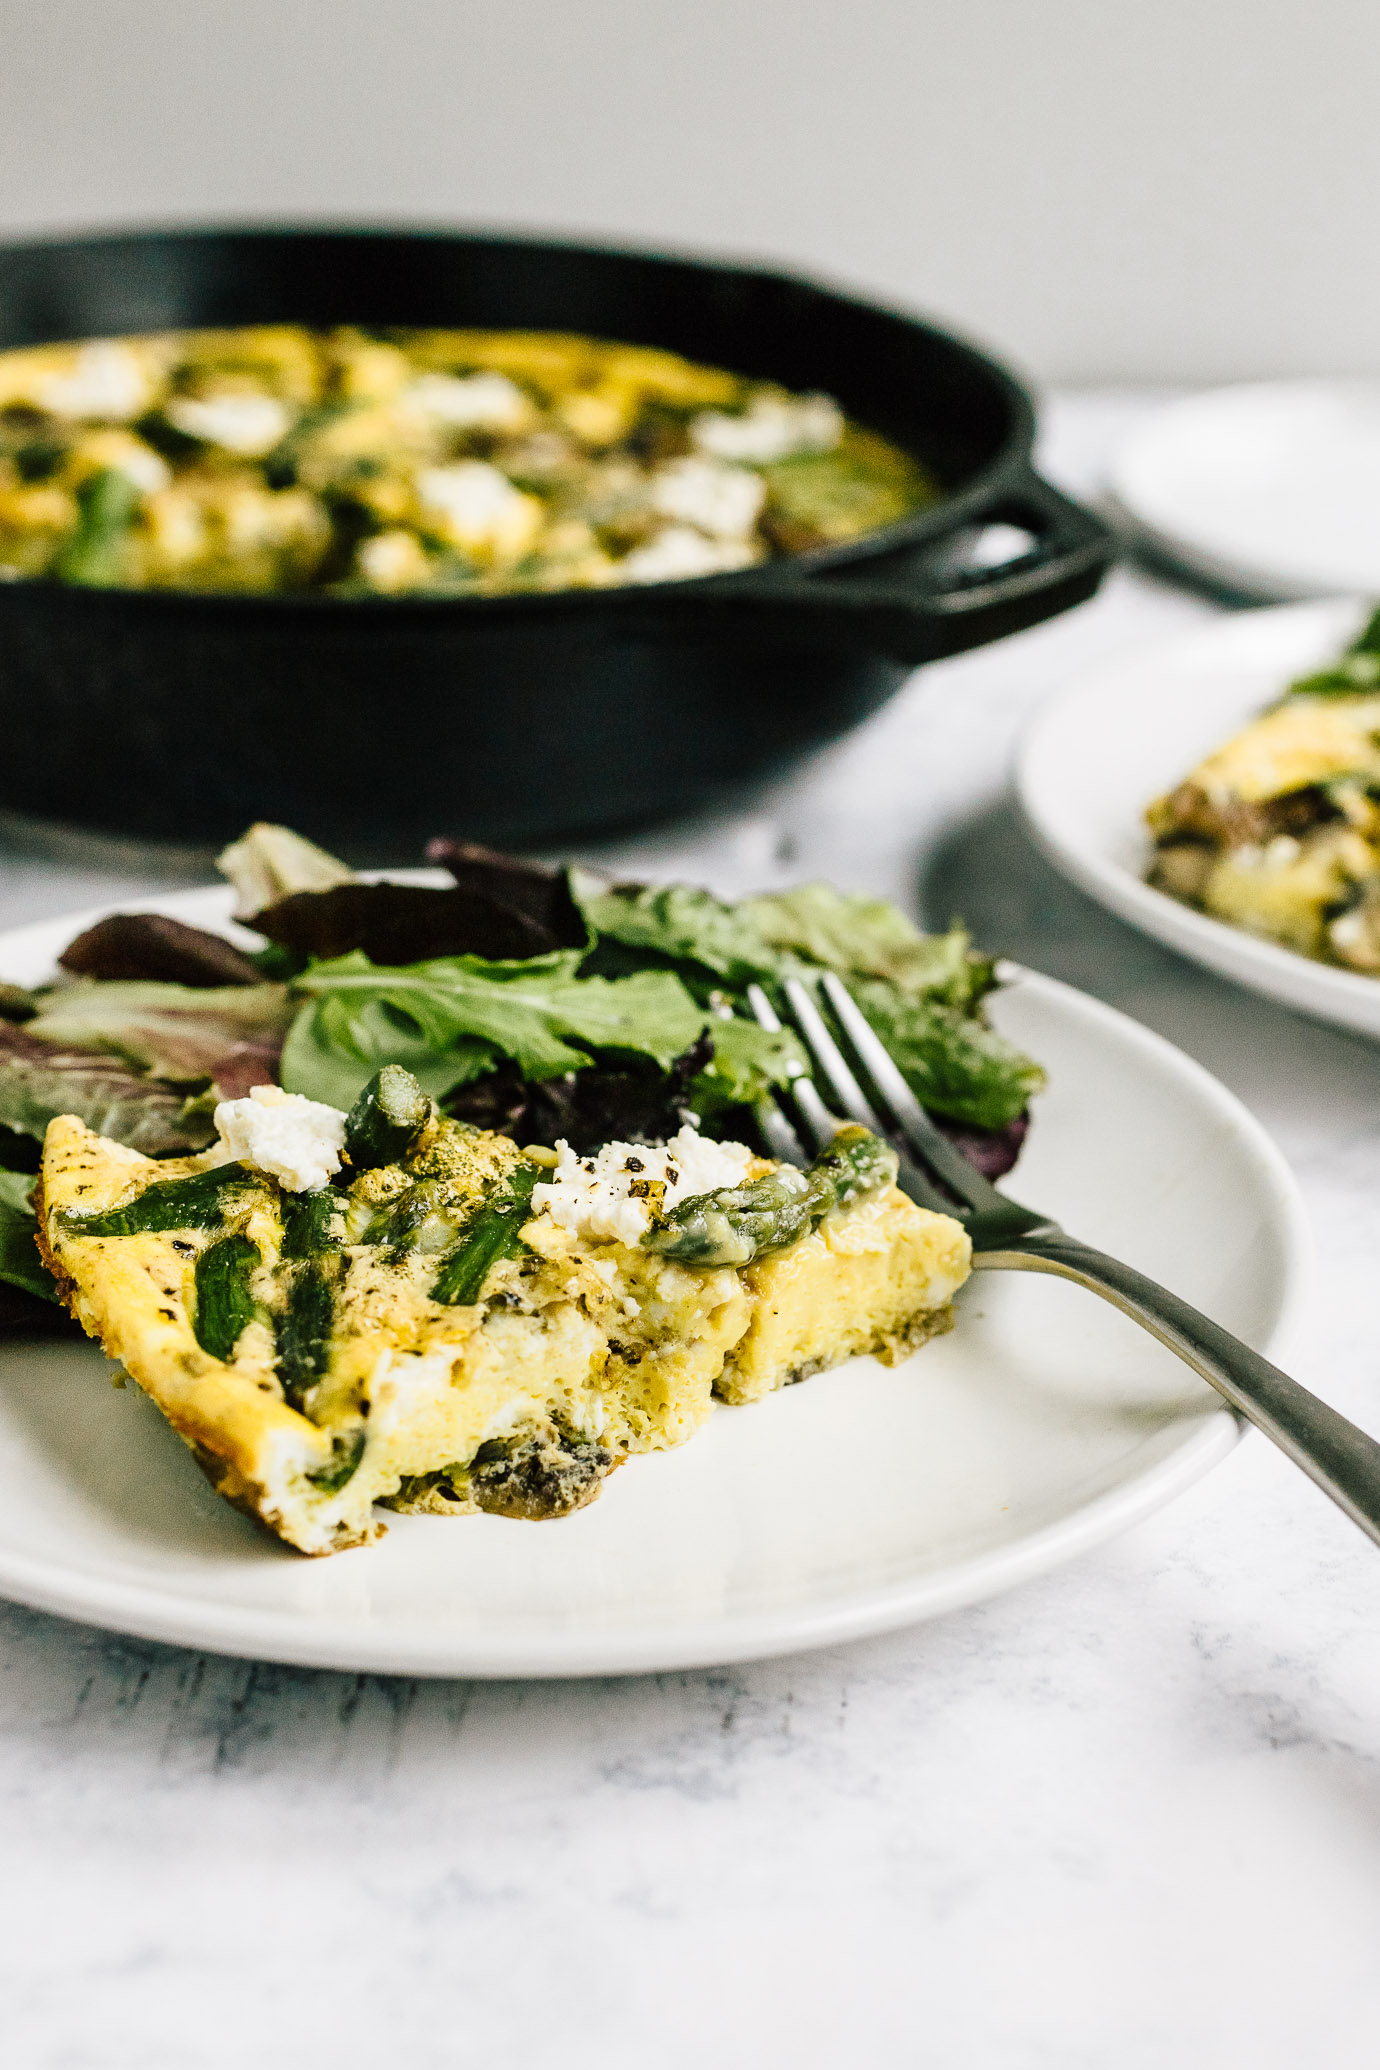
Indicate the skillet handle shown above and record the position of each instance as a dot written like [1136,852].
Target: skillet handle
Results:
[920,603]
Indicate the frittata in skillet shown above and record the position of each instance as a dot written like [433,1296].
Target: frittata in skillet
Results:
[452,462]
[397,1307]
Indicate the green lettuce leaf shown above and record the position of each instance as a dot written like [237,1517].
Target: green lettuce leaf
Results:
[954,1063]
[747,1062]
[16,1192]
[855,935]
[20,1264]
[783,934]
[540,1013]
[334,1047]
[922,992]
[681,923]
[1355,673]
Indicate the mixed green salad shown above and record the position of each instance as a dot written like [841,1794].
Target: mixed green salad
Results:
[546,1004]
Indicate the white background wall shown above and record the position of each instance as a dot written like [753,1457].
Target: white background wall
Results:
[1164,189]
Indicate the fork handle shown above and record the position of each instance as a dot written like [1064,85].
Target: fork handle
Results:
[1343,1461]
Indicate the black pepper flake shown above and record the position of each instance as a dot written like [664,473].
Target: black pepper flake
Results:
[185,1248]
[634,1164]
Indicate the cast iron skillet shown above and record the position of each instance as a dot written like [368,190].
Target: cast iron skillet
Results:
[369,723]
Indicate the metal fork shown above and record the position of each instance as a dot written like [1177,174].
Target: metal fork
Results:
[1343,1461]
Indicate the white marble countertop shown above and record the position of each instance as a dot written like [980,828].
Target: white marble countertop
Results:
[1126,1816]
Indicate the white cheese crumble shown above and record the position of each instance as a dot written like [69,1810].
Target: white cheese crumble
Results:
[108,380]
[1280,854]
[612,1196]
[131,456]
[678,551]
[392,560]
[723,501]
[477,508]
[471,402]
[149,471]
[774,428]
[250,425]
[295,1140]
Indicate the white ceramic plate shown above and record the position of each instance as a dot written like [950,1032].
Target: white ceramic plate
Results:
[1131,728]
[1268,488]
[856,1503]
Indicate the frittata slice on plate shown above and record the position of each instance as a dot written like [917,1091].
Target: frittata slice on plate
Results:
[1278,831]
[397,1308]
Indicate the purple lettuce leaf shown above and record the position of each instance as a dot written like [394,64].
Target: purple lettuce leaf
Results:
[402,923]
[178,1032]
[39,1080]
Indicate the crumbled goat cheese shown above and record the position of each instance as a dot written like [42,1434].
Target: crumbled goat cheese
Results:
[128,455]
[108,381]
[774,428]
[295,1140]
[473,402]
[392,560]
[723,501]
[250,425]
[476,508]
[612,1196]
[678,551]
[149,471]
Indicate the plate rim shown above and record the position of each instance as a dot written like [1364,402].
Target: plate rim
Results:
[1179,544]
[149,1612]
[1341,998]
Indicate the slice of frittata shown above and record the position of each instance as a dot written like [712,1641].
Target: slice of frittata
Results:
[393,1307]
[1278,831]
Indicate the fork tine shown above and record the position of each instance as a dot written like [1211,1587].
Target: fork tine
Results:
[912,1178]
[929,1144]
[829,1058]
[815,1125]
[778,1135]
[818,1125]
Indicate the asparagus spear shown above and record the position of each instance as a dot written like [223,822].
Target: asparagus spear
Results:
[347,1450]
[740,1223]
[304,1333]
[195,1203]
[386,1119]
[224,1303]
[493,1234]
[95,554]
[310,1222]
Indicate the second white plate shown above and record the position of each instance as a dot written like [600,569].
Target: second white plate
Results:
[1131,728]
[1267,487]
